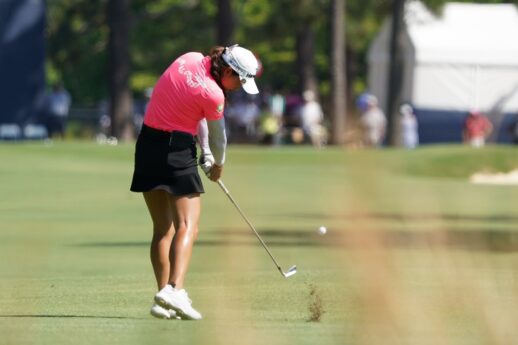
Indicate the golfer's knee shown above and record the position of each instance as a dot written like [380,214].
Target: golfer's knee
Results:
[161,236]
[189,229]
[162,231]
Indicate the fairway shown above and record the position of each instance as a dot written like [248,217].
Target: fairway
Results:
[414,253]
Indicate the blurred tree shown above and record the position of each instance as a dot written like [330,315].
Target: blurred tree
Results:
[76,48]
[268,28]
[225,23]
[291,38]
[306,16]
[164,29]
[119,69]
[395,78]
[305,44]
[337,71]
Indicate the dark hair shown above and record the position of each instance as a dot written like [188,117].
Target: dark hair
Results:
[217,64]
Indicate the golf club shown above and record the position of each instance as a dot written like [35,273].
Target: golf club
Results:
[293,269]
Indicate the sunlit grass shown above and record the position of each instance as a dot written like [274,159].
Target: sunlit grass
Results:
[414,254]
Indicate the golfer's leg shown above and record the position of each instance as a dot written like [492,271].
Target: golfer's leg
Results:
[160,209]
[187,215]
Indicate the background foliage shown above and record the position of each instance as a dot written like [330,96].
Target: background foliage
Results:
[77,34]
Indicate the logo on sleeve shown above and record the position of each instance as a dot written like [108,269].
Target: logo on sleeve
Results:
[220,108]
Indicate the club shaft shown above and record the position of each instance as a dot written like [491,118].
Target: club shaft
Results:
[220,183]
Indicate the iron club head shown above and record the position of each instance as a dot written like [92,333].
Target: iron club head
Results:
[290,272]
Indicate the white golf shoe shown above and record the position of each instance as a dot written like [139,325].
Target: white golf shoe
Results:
[177,300]
[162,313]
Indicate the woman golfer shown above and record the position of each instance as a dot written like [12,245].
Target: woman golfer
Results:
[188,99]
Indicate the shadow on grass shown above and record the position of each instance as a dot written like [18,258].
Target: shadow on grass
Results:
[482,239]
[70,316]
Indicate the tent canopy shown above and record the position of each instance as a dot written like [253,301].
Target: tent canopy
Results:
[463,58]
[478,34]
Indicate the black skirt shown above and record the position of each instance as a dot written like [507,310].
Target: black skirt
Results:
[165,160]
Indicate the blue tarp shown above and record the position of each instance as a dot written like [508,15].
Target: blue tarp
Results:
[22,60]
[438,126]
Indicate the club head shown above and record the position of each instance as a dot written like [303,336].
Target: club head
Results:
[290,272]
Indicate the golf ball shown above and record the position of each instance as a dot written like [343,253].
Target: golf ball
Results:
[322,230]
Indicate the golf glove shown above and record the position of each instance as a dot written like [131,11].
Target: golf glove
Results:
[206,161]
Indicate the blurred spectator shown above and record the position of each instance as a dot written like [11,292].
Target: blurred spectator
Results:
[277,104]
[277,110]
[292,121]
[292,109]
[362,101]
[409,126]
[105,124]
[312,117]
[249,116]
[269,127]
[57,107]
[477,128]
[104,117]
[241,117]
[374,122]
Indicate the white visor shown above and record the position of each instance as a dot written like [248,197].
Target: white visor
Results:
[249,85]
[245,64]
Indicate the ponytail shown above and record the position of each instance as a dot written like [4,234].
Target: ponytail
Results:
[217,64]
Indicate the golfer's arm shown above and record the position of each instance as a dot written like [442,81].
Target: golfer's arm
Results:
[217,140]
[203,137]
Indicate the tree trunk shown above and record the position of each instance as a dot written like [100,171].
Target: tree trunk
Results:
[337,71]
[119,69]
[225,23]
[306,59]
[395,80]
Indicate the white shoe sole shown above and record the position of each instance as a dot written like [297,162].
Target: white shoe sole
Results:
[162,313]
[179,311]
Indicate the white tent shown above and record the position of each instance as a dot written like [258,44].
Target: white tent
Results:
[465,57]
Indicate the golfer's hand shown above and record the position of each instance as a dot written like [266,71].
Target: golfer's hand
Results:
[206,163]
[215,172]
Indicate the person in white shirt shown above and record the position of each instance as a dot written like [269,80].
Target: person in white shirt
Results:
[409,127]
[312,117]
[374,123]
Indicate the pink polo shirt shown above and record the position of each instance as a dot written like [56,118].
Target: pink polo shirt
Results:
[185,94]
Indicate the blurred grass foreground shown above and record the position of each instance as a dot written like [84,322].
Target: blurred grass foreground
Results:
[414,253]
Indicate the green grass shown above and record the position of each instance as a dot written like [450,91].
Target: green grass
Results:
[414,253]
